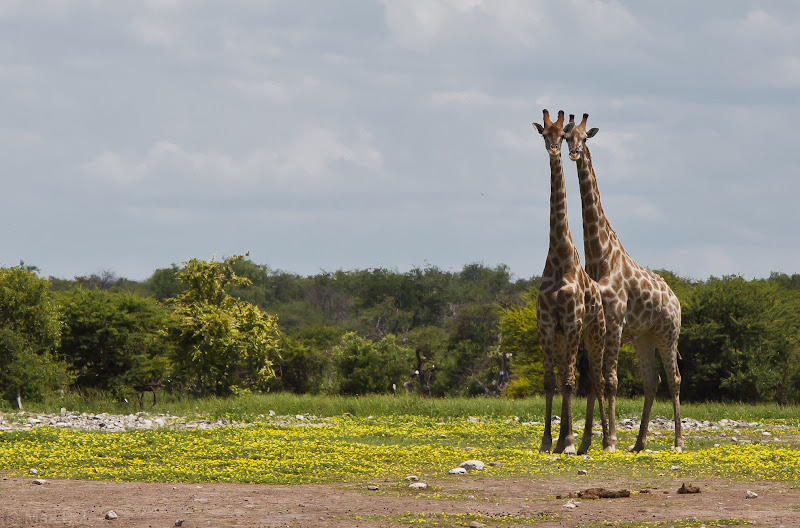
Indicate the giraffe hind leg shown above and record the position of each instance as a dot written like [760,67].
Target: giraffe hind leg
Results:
[594,344]
[669,358]
[645,350]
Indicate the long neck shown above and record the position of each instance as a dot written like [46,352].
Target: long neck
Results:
[599,238]
[562,248]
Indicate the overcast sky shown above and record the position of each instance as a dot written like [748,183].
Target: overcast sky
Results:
[352,134]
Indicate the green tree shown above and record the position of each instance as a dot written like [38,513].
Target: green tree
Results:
[114,341]
[30,333]
[223,343]
[520,331]
[306,360]
[739,341]
[365,367]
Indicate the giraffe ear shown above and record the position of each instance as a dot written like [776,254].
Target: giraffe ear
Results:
[569,127]
[592,132]
[539,127]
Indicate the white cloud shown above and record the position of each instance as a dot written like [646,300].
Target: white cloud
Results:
[307,162]
[152,32]
[314,151]
[473,98]
[270,90]
[515,141]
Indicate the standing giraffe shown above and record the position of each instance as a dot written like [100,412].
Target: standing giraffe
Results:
[633,297]
[568,306]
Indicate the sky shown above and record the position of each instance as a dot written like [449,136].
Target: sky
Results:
[356,134]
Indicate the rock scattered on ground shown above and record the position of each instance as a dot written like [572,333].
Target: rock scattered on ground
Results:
[412,478]
[458,471]
[111,515]
[688,489]
[418,486]
[39,482]
[475,524]
[582,472]
[373,488]
[570,504]
[473,464]
[750,494]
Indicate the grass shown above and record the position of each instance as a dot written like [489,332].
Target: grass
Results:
[248,408]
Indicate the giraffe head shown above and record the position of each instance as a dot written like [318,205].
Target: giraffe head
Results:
[552,132]
[576,136]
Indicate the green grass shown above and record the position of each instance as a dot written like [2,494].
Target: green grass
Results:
[248,408]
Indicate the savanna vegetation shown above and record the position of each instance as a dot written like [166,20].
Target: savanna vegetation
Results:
[235,327]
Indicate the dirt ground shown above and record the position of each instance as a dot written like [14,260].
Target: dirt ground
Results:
[61,503]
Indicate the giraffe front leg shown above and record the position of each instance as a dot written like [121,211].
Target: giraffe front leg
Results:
[568,355]
[549,389]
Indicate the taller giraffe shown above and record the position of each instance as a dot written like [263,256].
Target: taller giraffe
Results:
[634,298]
[568,307]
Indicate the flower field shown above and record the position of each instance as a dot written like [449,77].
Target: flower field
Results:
[361,449]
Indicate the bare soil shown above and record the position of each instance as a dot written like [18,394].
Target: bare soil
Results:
[62,503]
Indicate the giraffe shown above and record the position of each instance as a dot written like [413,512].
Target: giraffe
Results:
[634,298]
[568,307]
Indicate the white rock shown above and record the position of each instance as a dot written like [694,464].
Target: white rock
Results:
[458,471]
[34,471]
[473,464]
[475,524]
[372,488]
[750,494]
[674,468]
[418,486]
[582,472]
[412,478]
[111,515]
[39,482]
[571,504]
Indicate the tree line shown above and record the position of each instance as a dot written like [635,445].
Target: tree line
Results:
[234,326]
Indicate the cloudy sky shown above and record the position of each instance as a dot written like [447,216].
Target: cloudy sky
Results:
[322,135]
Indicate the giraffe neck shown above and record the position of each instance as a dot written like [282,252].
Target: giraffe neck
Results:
[561,248]
[599,238]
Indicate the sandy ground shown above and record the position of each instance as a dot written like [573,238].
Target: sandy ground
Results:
[60,503]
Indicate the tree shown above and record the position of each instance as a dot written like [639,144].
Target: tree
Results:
[223,343]
[366,367]
[519,327]
[739,341]
[114,341]
[30,333]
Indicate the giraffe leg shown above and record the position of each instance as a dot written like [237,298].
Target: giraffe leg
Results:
[568,355]
[610,359]
[593,338]
[548,347]
[645,350]
[669,358]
